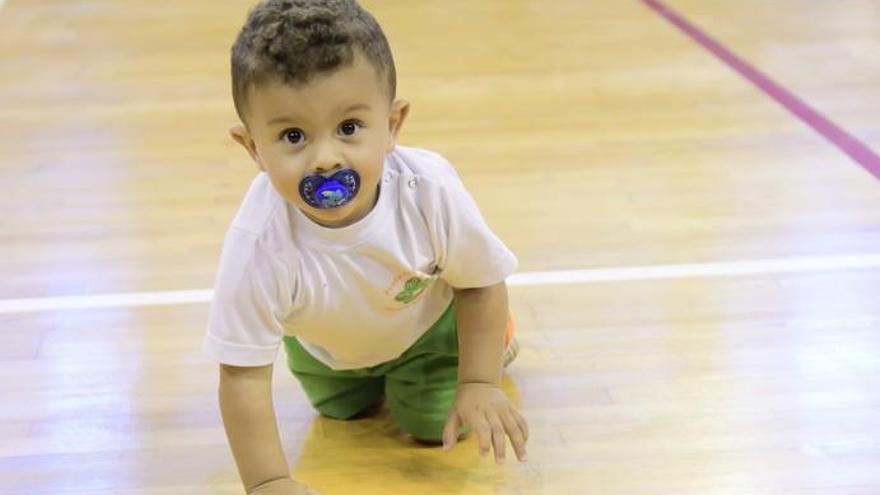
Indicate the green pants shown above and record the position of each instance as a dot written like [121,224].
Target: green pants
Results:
[420,385]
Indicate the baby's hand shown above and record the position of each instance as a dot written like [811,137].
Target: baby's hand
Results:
[284,486]
[489,413]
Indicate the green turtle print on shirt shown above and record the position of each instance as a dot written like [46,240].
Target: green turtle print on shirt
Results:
[412,288]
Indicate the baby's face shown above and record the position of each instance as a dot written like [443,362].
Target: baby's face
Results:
[342,120]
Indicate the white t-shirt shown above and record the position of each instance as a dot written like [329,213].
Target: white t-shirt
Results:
[355,296]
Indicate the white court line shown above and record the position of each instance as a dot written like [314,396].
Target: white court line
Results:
[561,277]
[698,270]
[122,300]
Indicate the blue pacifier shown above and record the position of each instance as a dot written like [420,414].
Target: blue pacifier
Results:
[329,192]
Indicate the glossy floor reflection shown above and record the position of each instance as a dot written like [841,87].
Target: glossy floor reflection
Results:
[374,449]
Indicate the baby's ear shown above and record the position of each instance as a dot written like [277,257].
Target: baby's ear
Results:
[399,111]
[240,135]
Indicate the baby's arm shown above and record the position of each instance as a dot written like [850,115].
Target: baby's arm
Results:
[481,316]
[249,418]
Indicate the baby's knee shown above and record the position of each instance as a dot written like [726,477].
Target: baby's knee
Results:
[424,427]
[347,412]
[424,430]
[421,412]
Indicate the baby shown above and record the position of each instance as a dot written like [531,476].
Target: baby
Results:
[367,261]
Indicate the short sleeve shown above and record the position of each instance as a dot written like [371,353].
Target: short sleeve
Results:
[252,296]
[469,254]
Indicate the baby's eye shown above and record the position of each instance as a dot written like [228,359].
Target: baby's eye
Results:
[349,128]
[293,136]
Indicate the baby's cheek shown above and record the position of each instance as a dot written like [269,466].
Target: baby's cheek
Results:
[286,181]
[372,166]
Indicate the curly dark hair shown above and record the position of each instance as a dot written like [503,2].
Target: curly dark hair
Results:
[291,41]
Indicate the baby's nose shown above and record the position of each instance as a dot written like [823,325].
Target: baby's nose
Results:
[324,168]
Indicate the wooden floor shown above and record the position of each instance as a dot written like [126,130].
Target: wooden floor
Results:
[593,135]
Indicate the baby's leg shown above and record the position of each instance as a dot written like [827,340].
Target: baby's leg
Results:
[422,383]
[421,396]
[421,386]
[339,394]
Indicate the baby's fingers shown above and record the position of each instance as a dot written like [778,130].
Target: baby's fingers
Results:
[450,432]
[482,431]
[498,440]
[521,421]
[517,436]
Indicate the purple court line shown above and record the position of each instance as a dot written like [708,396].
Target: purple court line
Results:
[844,141]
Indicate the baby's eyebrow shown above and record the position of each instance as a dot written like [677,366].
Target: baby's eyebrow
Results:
[356,107]
[279,120]
[351,108]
